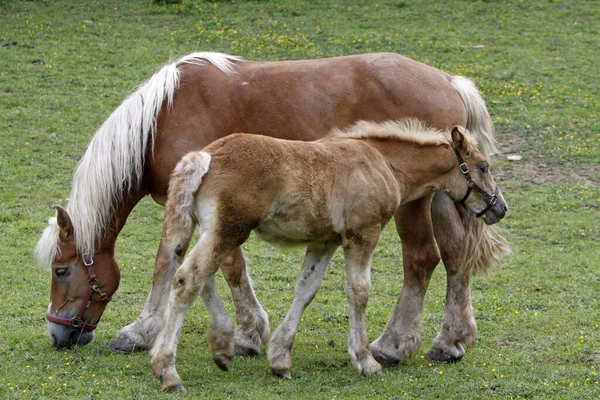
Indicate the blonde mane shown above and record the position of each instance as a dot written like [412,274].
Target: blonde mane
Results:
[409,129]
[114,161]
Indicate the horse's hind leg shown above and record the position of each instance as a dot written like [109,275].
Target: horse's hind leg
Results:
[252,321]
[140,334]
[307,285]
[458,326]
[402,335]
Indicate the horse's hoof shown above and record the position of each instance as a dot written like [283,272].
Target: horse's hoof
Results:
[124,345]
[178,388]
[385,359]
[246,351]
[437,354]
[282,373]
[222,361]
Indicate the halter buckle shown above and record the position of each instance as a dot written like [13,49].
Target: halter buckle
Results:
[77,322]
[464,168]
[103,297]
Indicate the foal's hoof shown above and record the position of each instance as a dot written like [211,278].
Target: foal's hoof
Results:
[122,344]
[242,350]
[368,366]
[222,361]
[282,373]
[440,355]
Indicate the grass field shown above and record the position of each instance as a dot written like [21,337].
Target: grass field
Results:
[65,65]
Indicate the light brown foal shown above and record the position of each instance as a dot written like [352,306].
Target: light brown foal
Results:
[338,191]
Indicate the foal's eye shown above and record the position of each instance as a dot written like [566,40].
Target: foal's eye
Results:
[60,271]
[484,169]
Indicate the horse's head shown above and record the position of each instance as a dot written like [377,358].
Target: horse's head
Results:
[81,287]
[475,187]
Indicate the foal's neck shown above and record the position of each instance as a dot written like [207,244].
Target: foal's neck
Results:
[420,169]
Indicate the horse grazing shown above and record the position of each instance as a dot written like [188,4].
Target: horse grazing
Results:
[338,191]
[205,96]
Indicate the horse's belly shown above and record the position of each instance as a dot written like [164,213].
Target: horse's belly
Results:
[295,233]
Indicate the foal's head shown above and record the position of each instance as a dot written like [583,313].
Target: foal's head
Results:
[474,187]
[81,285]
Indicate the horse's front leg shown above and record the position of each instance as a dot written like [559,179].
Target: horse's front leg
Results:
[140,334]
[401,337]
[252,321]
[309,282]
[358,252]
[458,326]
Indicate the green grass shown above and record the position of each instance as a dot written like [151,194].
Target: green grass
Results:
[65,65]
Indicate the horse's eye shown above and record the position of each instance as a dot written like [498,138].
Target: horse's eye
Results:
[484,169]
[60,271]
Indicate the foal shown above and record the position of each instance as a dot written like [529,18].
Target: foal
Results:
[340,190]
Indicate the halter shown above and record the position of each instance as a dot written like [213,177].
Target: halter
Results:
[93,287]
[491,199]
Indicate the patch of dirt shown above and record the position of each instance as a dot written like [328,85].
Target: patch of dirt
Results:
[537,170]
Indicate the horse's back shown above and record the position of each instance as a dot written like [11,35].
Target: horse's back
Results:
[297,100]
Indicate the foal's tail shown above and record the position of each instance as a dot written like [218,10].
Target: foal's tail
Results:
[180,210]
[484,244]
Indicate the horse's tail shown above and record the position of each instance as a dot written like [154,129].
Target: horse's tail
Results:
[479,121]
[180,210]
[484,244]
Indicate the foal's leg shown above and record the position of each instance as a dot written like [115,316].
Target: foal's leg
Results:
[458,326]
[199,266]
[252,321]
[220,332]
[140,334]
[358,252]
[309,282]
[401,337]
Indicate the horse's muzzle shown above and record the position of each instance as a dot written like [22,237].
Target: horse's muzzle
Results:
[66,337]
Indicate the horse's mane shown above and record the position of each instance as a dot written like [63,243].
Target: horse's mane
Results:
[114,161]
[409,129]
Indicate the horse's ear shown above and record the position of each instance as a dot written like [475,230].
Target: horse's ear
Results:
[458,138]
[64,223]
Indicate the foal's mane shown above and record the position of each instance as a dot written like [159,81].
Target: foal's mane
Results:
[409,129]
[113,163]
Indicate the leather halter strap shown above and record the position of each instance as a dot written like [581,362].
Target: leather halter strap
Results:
[490,199]
[93,287]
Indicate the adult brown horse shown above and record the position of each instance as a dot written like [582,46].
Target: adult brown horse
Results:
[204,96]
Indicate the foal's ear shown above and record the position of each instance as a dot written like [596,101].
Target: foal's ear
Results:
[458,138]
[64,223]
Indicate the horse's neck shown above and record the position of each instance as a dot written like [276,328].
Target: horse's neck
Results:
[118,220]
[419,170]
